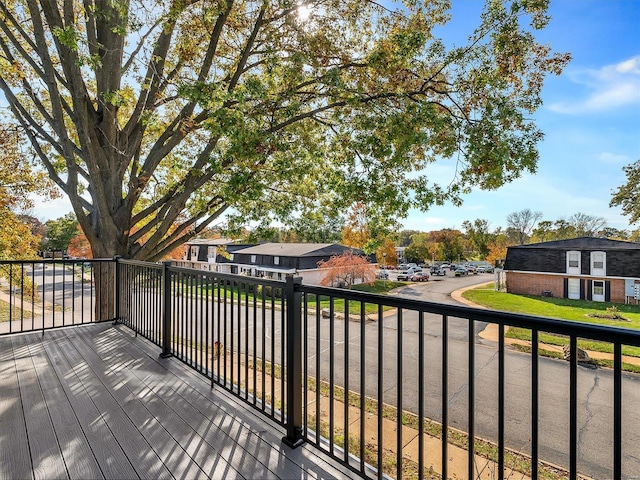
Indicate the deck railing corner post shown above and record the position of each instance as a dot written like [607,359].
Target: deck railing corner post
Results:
[166,310]
[118,289]
[293,408]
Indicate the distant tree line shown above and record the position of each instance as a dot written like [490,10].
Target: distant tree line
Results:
[476,240]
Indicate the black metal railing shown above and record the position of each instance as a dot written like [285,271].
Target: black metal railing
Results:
[395,369]
[387,386]
[43,294]
[230,328]
[359,375]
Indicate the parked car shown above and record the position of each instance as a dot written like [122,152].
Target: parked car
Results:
[419,277]
[460,271]
[481,269]
[439,271]
[382,274]
[404,276]
[471,269]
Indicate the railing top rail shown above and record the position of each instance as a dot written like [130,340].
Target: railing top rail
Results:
[140,263]
[55,260]
[604,333]
[233,277]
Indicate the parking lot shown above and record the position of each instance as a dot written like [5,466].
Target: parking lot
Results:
[439,288]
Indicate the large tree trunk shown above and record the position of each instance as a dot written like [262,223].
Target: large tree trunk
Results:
[104,274]
[105,283]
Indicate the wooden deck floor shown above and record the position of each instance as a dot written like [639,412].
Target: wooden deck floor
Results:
[96,402]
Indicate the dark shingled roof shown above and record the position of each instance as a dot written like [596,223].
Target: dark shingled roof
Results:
[583,243]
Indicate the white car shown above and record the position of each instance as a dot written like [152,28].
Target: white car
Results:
[382,274]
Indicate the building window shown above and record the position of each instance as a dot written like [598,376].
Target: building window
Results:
[573,262]
[598,263]
[598,291]
[253,259]
[276,260]
[573,287]
[211,252]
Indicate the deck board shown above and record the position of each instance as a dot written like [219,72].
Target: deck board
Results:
[170,437]
[78,457]
[15,461]
[216,424]
[107,452]
[46,457]
[99,403]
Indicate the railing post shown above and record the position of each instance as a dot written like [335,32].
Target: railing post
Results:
[293,337]
[118,291]
[166,310]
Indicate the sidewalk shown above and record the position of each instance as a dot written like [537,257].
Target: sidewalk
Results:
[491,333]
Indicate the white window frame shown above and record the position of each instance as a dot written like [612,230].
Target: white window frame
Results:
[276,260]
[577,270]
[598,297]
[211,252]
[573,288]
[194,253]
[253,258]
[601,259]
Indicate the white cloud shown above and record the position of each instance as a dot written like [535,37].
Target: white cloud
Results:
[610,87]
[613,159]
[629,66]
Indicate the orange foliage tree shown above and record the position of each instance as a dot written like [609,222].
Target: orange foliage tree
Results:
[386,253]
[497,250]
[79,246]
[346,269]
[356,233]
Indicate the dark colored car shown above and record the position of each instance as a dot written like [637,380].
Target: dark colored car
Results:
[419,277]
[460,271]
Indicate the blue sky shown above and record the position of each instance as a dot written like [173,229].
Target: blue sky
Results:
[590,116]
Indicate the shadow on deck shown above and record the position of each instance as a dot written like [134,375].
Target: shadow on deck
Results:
[96,402]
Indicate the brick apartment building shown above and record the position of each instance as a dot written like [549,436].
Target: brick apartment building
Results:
[585,268]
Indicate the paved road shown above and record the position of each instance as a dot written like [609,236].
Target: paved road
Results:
[438,289]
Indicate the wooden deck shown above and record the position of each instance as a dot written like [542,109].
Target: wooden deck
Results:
[96,402]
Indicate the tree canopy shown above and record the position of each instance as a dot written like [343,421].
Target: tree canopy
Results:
[18,180]
[158,117]
[627,196]
[61,231]
[523,222]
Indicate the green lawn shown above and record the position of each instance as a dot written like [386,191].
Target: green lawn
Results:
[562,308]
[16,312]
